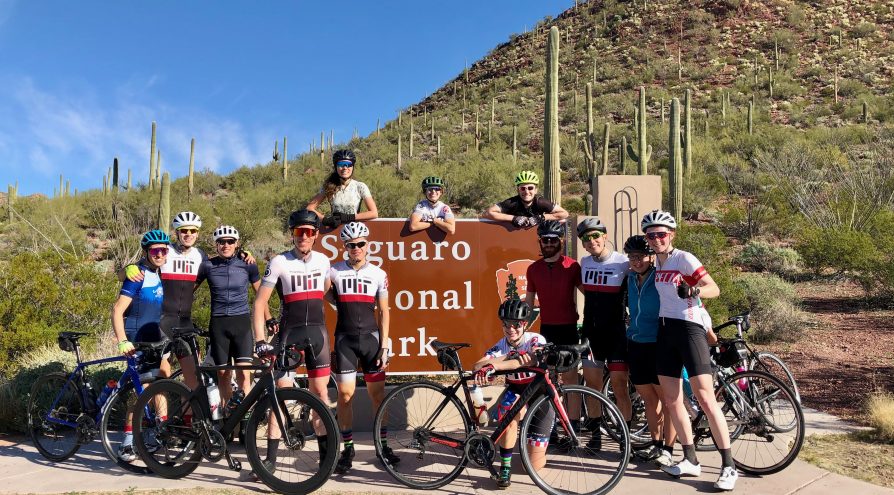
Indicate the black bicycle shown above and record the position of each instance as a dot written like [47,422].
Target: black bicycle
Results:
[186,429]
[431,430]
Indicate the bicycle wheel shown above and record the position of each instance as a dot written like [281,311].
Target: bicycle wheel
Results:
[55,400]
[111,427]
[163,432]
[303,465]
[760,401]
[639,425]
[773,364]
[427,428]
[568,467]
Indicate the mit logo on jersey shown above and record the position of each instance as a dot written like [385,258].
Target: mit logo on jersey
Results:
[604,276]
[305,286]
[178,276]
[355,289]
[357,292]
[300,284]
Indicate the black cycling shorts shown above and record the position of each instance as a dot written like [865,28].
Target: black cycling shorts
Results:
[316,359]
[351,350]
[231,338]
[168,323]
[565,334]
[608,346]
[682,343]
[544,420]
[641,360]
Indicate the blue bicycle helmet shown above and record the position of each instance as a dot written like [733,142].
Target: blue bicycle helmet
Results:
[154,237]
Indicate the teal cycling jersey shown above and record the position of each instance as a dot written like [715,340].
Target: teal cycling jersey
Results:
[643,303]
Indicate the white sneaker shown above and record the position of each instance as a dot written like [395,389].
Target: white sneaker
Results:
[727,479]
[664,459]
[683,468]
[126,453]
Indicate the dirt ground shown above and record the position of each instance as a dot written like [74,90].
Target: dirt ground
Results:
[845,354]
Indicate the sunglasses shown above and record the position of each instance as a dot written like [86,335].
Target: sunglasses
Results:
[229,242]
[353,245]
[432,189]
[304,232]
[526,188]
[638,257]
[549,240]
[591,237]
[657,235]
[507,324]
[159,251]
[344,164]
[188,231]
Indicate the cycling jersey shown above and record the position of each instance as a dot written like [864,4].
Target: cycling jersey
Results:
[516,207]
[300,285]
[643,302]
[679,265]
[349,197]
[228,279]
[429,211]
[142,316]
[554,284]
[603,298]
[528,342]
[178,276]
[356,293]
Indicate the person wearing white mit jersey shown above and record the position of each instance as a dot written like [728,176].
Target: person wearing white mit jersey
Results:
[360,293]
[681,282]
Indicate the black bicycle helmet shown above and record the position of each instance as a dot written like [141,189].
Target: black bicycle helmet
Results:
[304,217]
[637,244]
[551,228]
[514,309]
[344,155]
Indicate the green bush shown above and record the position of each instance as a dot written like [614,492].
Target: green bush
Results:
[840,251]
[773,304]
[760,256]
[706,242]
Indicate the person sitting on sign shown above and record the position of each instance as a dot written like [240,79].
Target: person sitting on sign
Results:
[526,209]
[431,211]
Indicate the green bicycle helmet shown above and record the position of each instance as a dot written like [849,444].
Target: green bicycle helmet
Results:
[432,181]
[527,177]
[154,237]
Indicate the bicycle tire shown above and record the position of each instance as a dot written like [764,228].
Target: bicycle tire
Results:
[114,417]
[54,441]
[304,469]
[175,453]
[755,447]
[701,430]
[639,430]
[576,468]
[773,364]
[424,464]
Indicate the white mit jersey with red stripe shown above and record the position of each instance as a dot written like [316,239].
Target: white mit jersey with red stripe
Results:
[301,285]
[357,292]
[680,265]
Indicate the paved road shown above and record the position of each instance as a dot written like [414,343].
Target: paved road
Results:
[23,470]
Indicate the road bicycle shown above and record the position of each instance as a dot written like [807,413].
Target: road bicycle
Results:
[65,413]
[186,429]
[432,431]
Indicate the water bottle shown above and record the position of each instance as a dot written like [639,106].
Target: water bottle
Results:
[506,404]
[234,401]
[214,401]
[107,390]
[479,405]
[742,382]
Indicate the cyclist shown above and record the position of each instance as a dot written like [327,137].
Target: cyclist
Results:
[526,209]
[300,276]
[602,276]
[345,194]
[514,315]
[137,312]
[228,279]
[431,211]
[682,281]
[361,334]
[643,304]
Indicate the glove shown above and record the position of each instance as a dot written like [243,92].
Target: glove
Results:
[262,348]
[126,348]
[427,217]
[246,256]
[271,324]
[536,220]
[132,272]
[332,221]
[382,356]
[485,373]
[685,290]
[348,217]
[520,221]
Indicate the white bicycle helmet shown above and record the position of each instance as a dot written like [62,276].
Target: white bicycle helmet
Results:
[186,219]
[225,231]
[353,230]
[657,218]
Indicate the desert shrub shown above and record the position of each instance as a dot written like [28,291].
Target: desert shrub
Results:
[760,256]
[773,305]
[841,251]
[880,409]
[706,242]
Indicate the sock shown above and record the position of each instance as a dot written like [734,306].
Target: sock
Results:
[575,425]
[347,436]
[505,457]
[689,454]
[629,425]
[668,448]
[321,442]
[128,437]
[658,443]
[726,456]
[272,449]
[383,435]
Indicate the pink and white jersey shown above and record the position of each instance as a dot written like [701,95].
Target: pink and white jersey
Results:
[680,265]
[178,278]
[301,285]
[429,211]
[529,341]
[357,292]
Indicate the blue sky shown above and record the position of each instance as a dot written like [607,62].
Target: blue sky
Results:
[82,81]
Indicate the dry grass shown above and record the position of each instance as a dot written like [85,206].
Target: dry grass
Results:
[858,455]
[881,415]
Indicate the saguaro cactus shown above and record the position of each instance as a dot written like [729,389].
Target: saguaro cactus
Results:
[605,146]
[152,163]
[114,176]
[400,159]
[644,151]
[128,180]
[750,117]
[687,134]
[551,149]
[285,158]
[10,198]
[865,113]
[589,140]
[190,184]
[514,144]
[675,161]
[411,138]
[275,151]
[164,202]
